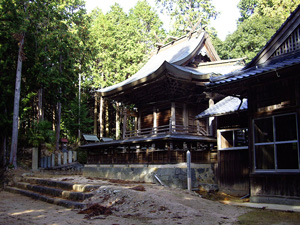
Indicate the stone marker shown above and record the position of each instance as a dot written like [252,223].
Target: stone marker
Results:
[65,158]
[59,159]
[35,159]
[70,157]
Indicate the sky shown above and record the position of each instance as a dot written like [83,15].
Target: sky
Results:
[224,24]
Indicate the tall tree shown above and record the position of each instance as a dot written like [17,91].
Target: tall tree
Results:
[260,20]
[188,14]
[122,42]
[20,36]
[52,28]
[246,8]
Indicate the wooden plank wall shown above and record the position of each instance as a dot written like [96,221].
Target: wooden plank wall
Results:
[233,171]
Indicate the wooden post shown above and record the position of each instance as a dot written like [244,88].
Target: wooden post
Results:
[139,122]
[95,114]
[210,119]
[173,118]
[101,117]
[124,123]
[154,121]
[185,117]
[135,126]
[118,132]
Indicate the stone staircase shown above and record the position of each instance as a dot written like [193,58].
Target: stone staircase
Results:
[61,193]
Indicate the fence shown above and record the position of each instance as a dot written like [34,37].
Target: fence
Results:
[58,159]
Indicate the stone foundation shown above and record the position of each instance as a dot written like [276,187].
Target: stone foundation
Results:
[172,175]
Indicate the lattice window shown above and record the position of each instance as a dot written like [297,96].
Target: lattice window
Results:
[290,45]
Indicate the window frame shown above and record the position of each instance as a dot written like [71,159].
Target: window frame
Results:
[275,143]
[231,148]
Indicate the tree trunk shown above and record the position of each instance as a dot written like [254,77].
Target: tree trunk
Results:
[58,109]
[58,117]
[79,105]
[40,105]
[14,139]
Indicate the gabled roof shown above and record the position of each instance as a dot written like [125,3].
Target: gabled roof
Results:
[227,105]
[177,53]
[281,35]
[268,60]
[256,71]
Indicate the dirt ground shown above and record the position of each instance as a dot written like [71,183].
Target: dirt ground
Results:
[118,202]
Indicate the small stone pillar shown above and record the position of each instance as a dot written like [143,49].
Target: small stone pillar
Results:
[42,162]
[65,157]
[59,159]
[49,161]
[70,157]
[35,159]
[74,156]
[53,160]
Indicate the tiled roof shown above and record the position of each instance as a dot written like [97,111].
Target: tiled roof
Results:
[225,106]
[254,71]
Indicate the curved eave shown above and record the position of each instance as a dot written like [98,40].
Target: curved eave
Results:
[177,54]
[166,69]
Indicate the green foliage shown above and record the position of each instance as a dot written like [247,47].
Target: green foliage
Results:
[260,19]
[41,133]
[249,38]
[280,9]
[81,155]
[188,14]
[121,42]
[246,8]
[76,118]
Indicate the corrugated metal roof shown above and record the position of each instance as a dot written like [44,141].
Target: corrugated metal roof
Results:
[176,54]
[90,137]
[254,71]
[225,106]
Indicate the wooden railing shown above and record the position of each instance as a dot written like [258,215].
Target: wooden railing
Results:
[168,129]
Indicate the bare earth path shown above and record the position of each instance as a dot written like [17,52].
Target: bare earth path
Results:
[154,205]
[136,203]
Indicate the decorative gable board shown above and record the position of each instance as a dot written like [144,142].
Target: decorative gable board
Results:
[285,40]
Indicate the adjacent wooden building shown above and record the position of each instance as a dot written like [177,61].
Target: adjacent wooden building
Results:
[271,83]
[231,121]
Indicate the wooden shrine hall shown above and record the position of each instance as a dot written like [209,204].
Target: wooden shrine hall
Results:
[159,105]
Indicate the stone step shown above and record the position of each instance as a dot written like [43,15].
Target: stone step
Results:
[55,192]
[60,184]
[52,200]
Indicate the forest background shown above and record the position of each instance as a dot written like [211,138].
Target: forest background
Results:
[54,56]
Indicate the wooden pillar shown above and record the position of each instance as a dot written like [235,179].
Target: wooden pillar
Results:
[210,119]
[124,123]
[95,114]
[139,125]
[154,120]
[185,117]
[101,105]
[173,119]
[118,131]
